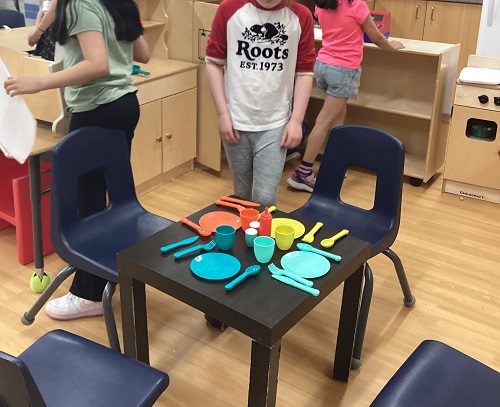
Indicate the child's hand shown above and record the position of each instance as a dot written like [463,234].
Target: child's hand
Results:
[226,131]
[396,45]
[34,37]
[292,136]
[21,85]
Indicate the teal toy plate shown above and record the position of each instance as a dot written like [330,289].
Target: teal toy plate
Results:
[305,264]
[215,266]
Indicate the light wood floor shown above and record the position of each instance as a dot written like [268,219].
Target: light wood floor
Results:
[449,247]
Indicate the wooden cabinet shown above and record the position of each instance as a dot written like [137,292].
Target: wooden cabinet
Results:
[209,146]
[473,153]
[164,144]
[409,94]
[447,22]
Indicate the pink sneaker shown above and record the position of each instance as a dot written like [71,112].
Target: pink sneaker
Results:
[297,181]
[72,307]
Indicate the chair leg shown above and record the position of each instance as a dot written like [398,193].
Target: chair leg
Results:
[29,316]
[409,299]
[109,318]
[364,309]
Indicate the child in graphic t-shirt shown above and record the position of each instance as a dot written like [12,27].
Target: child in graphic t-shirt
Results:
[337,71]
[260,56]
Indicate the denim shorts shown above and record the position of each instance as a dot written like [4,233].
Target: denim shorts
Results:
[337,81]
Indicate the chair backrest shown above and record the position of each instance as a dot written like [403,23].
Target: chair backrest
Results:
[17,387]
[85,150]
[12,18]
[368,148]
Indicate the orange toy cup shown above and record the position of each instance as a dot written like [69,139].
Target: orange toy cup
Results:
[247,216]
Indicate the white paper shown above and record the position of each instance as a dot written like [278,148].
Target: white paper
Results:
[17,124]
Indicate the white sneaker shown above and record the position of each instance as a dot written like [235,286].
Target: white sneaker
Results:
[72,307]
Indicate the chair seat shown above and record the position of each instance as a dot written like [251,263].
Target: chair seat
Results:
[99,377]
[97,240]
[437,375]
[365,225]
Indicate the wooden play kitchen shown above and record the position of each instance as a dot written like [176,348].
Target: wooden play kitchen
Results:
[473,156]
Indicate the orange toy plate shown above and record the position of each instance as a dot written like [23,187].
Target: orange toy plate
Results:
[211,220]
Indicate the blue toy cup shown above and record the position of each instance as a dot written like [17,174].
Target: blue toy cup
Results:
[224,236]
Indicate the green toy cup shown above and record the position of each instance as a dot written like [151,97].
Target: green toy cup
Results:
[263,248]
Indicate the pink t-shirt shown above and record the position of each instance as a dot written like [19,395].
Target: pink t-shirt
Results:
[343,33]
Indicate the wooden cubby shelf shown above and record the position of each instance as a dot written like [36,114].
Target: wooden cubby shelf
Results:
[409,94]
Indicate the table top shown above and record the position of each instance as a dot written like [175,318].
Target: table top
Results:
[45,139]
[261,307]
[17,38]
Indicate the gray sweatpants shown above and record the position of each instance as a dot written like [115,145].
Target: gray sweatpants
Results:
[256,164]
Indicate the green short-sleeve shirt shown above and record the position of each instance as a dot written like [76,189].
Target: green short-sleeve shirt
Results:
[93,16]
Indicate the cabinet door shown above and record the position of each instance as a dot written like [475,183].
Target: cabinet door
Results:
[179,128]
[146,145]
[472,160]
[407,17]
[453,23]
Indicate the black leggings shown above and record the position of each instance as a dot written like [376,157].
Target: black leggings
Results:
[121,114]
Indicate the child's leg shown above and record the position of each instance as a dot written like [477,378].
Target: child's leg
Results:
[240,159]
[332,114]
[268,165]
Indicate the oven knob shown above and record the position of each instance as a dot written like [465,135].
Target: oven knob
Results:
[483,99]
[496,100]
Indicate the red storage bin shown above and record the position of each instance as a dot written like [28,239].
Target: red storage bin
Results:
[15,206]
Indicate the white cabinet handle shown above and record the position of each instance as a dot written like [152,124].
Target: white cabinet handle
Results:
[489,15]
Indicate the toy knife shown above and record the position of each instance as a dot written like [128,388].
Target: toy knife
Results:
[293,283]
[184,242]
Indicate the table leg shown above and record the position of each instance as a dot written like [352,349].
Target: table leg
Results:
[134,318]
[264,375]
[347,325]
[36,211]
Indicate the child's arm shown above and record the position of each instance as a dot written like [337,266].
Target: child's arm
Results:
[141,50]
[378,38]
[215,78]
[42,23]
[94,65]
[292,136]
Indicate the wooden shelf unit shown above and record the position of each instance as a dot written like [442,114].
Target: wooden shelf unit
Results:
[164,144]
[409,94]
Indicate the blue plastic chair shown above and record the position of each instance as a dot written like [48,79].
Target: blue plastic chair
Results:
[375,150]
[12,18]
[437,375]
[92,243]
[62,369]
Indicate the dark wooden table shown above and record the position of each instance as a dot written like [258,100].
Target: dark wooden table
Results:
[262,308]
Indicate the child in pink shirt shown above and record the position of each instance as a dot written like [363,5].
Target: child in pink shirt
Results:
[337,71]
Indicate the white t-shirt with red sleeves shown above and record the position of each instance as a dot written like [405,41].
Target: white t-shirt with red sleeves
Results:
[262,50]
[343,34]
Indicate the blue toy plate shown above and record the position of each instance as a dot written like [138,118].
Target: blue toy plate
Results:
[305,264]
[215,266]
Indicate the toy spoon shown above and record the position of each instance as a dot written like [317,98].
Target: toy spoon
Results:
[249,271]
